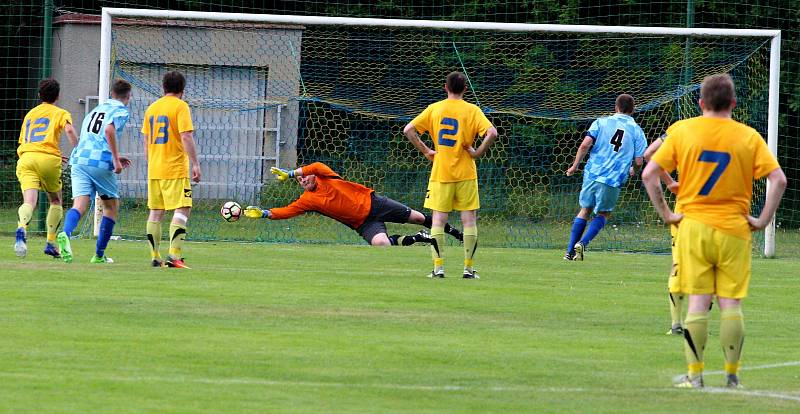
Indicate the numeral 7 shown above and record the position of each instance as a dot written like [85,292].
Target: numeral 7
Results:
[722,159]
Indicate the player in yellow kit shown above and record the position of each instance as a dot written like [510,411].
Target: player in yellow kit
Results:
[453,124]
[718,159]
[39,165]
[169,146]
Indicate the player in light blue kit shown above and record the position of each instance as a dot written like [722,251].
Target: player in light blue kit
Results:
[94,163]
[614,142]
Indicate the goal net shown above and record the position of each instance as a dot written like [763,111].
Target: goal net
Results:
[276,93]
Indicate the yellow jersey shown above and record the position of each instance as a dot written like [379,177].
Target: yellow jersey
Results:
[452,124]
[42,128]
[164,121]
[717,160]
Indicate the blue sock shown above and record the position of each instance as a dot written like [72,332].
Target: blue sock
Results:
[71,221]
[106,227]
[577,230]
[597,224]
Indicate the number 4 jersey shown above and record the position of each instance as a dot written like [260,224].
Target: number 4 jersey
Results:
[717,160]
[164,122]
[452,124]
[92,149]
[617,140]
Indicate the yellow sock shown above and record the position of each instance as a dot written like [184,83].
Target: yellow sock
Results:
[695,338]
[731,337]
[676,308]
[470,245]
[25,213]
[54,216]
[437,247]
[177,233]
[154,238]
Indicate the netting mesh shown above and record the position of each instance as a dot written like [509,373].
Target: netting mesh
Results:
[263,95]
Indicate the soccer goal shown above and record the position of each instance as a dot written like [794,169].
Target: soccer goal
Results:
[287,90]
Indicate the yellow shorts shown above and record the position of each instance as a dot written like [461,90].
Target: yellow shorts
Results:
[710,261]
[38,170]
[674,282]
[446,197]
[169,194]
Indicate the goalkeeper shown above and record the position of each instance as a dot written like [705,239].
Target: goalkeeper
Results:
[351,204]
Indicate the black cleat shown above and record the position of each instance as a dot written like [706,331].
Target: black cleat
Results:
[157,263]
[471,274]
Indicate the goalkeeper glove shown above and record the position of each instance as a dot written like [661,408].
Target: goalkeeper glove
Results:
[255,212]
[282,174]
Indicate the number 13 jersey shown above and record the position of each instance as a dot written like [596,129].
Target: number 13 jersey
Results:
[164,122]
[452,124]
[717,160]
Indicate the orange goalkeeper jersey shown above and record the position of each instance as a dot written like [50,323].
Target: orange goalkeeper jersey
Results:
[343,201]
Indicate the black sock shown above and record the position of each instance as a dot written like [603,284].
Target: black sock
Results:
[454,232]
[428,221]
[398,240]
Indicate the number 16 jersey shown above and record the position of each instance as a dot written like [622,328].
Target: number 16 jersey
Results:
[717,160]
[452,124]
[92,149]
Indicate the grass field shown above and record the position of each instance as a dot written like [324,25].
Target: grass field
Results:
[331,328]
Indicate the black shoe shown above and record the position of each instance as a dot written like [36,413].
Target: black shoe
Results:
[437,274]
[569,256]
[157,263]
[471,274]
[422,236]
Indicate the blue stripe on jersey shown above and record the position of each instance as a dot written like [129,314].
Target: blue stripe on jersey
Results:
[92,149]
[617,140]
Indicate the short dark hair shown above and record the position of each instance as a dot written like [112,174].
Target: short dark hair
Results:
[625,103]
[173,82]
[49,89]
[718,92]
[456,82]
[121,88]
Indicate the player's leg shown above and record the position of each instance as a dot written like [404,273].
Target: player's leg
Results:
[155,202]
[695,335]
[54,216]
[606,199]
[427,222]
[385,210]
[467,201]
[439,199]
[733,278]
[675,297]
[106,183]
[29,181]
[179,198]
[586,200]
[82,191]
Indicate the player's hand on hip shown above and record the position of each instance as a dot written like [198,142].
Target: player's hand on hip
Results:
[281,174]
[756,223]
[674,187]
[196,173]
[471,151]
[430,154]
[254,212]
[673,218]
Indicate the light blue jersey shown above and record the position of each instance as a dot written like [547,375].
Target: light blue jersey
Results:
[92,149]
[617,140]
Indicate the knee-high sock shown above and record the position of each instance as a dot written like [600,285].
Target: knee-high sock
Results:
[470,245]
[578,225]
[437,246]
[447,228]
[676,308]
[597,224]
[731,337]
[695,333]
[71,221]
[399,240]
[106,228]
[25,213]
[177,233]
[54,216]
[154,238]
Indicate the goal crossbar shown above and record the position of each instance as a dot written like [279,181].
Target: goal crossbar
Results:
[108,13]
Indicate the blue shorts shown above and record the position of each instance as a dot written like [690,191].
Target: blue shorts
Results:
[88,180]
[602,197]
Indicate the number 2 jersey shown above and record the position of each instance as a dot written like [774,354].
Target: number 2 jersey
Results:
[717,160]
[164,122]
[617,140]
[41,129]
[93,149]
[453,124]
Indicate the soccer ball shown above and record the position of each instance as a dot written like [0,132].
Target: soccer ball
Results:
[231,211]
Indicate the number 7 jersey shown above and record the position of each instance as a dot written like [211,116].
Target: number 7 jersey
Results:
[717,160]
[452,124]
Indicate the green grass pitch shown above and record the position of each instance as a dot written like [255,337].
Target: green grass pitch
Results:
[296,328]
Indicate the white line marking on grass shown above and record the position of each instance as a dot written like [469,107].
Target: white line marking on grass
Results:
[753,393]
[747,368]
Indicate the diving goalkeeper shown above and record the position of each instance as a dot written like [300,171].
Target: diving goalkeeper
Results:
[351,204]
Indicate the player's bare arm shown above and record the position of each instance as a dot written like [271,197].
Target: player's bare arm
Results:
[583,149]
[120,163]
[488,140]
[411,133]
[191,149]
[777,184]
[651,177]
[71,135]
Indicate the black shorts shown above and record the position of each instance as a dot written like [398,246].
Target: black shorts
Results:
[383,210]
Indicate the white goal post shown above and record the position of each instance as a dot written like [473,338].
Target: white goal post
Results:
[774,57]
